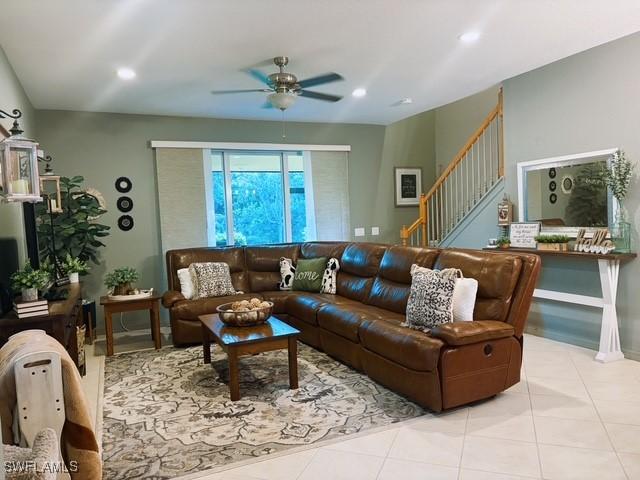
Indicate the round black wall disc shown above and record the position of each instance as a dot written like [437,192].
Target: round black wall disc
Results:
[125,204]
[125,222]
[123,184]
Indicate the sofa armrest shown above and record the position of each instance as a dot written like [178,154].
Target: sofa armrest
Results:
[464,333]
[171,297]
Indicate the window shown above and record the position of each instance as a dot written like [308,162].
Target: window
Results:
[258,198]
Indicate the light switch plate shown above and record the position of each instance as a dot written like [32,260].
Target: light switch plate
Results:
[375,230]
[359,232]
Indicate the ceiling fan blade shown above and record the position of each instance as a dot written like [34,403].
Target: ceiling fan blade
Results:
[221,92]
[319,96]
[320,79]
[260,76]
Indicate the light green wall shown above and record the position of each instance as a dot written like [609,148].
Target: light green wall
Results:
[456,122]
[407,143]
[13,96]
[586,102]
[102,147]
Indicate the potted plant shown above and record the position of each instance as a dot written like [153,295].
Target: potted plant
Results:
[74,267]
[558,243]
[503,242]
[120,280]
[618,178]
[29,281]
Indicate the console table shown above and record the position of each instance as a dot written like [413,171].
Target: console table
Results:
[61,323]
[609,268]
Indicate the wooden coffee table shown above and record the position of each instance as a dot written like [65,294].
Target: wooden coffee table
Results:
[274,334]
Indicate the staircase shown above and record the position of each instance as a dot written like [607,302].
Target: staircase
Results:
[477,167]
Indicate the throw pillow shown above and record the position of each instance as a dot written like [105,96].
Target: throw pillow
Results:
[211,279]
[287,271]
[186,283]
[308,277]
[431,297]
[464,299]
[329,276]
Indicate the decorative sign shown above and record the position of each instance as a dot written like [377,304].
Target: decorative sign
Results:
[596,244]
[408,186]
[523,235]
[505,212]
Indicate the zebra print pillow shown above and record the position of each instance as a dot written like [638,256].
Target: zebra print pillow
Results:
[431,297]
[211,279]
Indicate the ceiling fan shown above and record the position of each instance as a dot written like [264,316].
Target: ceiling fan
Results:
[284,87]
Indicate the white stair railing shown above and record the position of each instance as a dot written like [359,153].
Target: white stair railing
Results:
[477,167]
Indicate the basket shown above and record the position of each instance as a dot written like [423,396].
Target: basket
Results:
[244,319]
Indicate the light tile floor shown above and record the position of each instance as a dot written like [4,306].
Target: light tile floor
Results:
[569,418]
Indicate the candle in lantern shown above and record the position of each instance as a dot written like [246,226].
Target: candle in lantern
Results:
[20,186]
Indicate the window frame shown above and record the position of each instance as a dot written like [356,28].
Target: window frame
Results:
[228,193]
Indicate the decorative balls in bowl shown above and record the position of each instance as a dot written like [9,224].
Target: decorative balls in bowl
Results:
[245,313]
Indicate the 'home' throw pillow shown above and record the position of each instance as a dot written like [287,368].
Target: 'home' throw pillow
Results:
[308,277]
[330,276]
[287,271]
[431,297]
[211,279]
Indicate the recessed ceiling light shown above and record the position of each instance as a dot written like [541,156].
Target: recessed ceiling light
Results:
[126,73]
[469,37]
[359,92]
[406,101]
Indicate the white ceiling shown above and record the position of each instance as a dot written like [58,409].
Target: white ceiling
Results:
[65,52]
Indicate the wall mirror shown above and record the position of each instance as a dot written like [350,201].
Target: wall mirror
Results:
[567,193]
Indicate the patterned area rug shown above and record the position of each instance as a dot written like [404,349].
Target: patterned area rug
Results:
[167,414]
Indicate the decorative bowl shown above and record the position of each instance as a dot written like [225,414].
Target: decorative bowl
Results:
[251,318]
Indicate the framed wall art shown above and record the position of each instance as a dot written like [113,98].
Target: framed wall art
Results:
[408,182]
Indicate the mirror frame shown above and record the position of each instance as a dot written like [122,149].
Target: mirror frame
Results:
[564,161]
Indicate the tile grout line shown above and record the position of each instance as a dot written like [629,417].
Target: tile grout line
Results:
[464,439]
[315,452]
[386,456]
[606,431]
[533,421]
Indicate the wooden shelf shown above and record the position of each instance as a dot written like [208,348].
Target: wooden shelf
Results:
[569,253]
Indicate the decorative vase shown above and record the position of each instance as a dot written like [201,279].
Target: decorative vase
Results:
[74,277]
[29,294]
[621,231]
[122,289]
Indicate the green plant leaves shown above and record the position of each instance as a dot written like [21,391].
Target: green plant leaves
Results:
[75,234]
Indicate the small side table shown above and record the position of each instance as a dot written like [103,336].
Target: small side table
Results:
[151,303]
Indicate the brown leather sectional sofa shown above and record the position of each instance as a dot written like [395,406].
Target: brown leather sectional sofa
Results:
[455,364]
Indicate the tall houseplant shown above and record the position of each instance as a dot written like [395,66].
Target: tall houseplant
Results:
[73,232]
[618,178]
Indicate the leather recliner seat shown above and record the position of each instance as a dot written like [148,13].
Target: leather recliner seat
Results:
[454,364]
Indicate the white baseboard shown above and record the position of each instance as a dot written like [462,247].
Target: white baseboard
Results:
[580,342]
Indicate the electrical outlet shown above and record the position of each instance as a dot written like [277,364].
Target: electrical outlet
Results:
[375,231]
[359,232]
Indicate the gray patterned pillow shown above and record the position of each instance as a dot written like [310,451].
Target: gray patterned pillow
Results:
[431,297]
[211,279]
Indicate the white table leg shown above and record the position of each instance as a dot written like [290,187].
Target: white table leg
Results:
[609,350]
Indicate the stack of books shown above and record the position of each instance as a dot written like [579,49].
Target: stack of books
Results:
[31,309]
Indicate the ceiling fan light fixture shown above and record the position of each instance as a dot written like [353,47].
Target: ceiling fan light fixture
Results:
[282,100]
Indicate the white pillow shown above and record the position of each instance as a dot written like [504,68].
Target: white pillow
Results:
[186,283]
[464,299]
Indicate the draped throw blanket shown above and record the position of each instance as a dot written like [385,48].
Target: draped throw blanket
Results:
[78,436]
